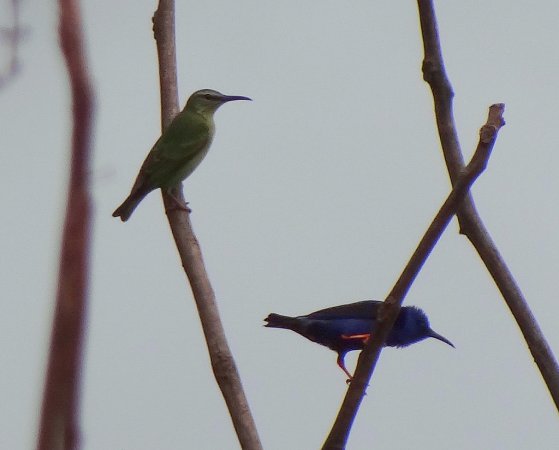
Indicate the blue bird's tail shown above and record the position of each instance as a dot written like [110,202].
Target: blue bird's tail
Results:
[278,321]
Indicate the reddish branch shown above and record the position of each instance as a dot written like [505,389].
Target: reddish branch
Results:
[59,416]
[368,358]
[222,361]
[470,222]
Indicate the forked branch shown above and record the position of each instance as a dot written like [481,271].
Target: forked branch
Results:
[470,222]
[368,358]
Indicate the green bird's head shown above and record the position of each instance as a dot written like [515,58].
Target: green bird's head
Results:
[207,101]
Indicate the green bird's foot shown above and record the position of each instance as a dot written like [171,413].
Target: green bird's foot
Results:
[178,204]
[175,207]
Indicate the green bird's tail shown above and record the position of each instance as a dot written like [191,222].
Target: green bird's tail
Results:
[125,210]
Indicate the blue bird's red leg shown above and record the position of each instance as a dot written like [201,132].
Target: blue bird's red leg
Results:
[360,337]
[341,364]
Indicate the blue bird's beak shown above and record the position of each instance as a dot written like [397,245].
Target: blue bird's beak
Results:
[440,338]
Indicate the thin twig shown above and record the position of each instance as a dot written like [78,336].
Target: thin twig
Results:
[368,358]
[222,361]
[59,416]
[12,36]
[470,222]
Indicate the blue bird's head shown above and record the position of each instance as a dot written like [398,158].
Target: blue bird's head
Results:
[412,325]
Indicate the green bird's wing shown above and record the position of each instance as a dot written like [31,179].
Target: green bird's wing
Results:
[175,155]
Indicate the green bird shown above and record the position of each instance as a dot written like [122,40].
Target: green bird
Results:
[179,150]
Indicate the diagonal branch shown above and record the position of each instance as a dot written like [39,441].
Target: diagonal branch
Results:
[222,361]
[59,421]
[368,358]
[470,222]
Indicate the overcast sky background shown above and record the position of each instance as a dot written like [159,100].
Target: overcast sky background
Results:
[313,195]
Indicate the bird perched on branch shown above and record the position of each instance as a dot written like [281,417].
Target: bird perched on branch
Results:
[348,327]
[179,150]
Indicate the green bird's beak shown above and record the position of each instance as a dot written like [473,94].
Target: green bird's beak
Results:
[231,98]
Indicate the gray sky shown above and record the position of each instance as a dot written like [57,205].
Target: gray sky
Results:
[313,195]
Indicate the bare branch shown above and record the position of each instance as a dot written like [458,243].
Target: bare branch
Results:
[470,222]
[59,421]
[368,358]
[223,364]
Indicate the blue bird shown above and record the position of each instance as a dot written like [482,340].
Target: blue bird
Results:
[347,327]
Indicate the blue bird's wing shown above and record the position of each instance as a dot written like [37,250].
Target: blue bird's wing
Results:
[342,328]
[360,310]
[339,334]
